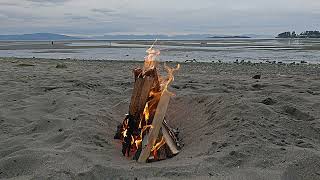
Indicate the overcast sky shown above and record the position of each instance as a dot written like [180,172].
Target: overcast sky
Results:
[97,17]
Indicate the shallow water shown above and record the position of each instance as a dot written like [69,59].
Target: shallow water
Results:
[228,50]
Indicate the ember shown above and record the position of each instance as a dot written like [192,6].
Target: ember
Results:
[145,134]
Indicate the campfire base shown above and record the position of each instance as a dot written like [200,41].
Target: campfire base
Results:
[144,133]
[168,150]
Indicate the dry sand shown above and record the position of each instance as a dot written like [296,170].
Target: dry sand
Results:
[58,123]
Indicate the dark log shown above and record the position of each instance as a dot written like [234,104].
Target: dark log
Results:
[118,132]
[137,72]
[162,152]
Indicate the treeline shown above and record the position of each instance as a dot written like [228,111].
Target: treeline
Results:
[306,34]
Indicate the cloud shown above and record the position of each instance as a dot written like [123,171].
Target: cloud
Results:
[48,1]
[166,16]
[103,10]
[8,4]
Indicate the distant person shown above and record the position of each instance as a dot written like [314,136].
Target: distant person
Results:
[51,42]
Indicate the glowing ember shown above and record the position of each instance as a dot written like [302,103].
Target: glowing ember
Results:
[146,113]
[158,145]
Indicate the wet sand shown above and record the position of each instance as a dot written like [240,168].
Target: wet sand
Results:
[58,123]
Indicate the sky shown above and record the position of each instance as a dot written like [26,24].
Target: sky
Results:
[98,17]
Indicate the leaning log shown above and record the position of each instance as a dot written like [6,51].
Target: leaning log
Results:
[156,125]
[169,140]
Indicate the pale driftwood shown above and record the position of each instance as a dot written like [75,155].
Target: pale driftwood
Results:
[170,142]
[140,94]
[156,125]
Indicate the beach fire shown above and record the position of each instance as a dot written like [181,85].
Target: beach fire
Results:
[145,134]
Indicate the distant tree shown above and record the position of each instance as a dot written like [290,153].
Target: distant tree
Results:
[310,34]
[305,34]
[284,35]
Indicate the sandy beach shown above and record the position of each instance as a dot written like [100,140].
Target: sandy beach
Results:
[59,123]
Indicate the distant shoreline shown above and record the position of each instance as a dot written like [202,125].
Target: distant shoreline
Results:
[249,63]
[54,37]
[230,37]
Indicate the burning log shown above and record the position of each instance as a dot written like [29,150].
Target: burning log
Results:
[156,125]
[140,94]
[144,133]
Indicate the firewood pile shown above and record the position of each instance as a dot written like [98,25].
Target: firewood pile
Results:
[145,134]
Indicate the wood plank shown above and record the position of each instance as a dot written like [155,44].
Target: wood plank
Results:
[140,94]
[156,125]
[170,142]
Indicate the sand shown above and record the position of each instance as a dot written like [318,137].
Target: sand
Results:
[58,123]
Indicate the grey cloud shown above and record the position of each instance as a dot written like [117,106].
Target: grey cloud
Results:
[76,17]
[80,18]
[103,10]
[167,16]
[8,4]
[48,1]
[21,16]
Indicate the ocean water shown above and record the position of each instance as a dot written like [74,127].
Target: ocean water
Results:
[213,50]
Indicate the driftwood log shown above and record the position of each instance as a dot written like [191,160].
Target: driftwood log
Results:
[170,139]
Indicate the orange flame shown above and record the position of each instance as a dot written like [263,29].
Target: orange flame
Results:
[139,139]
[146,113]
[150,60]
[157,146]
[125,128]
[151,63]
[154,97]
[170,77]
